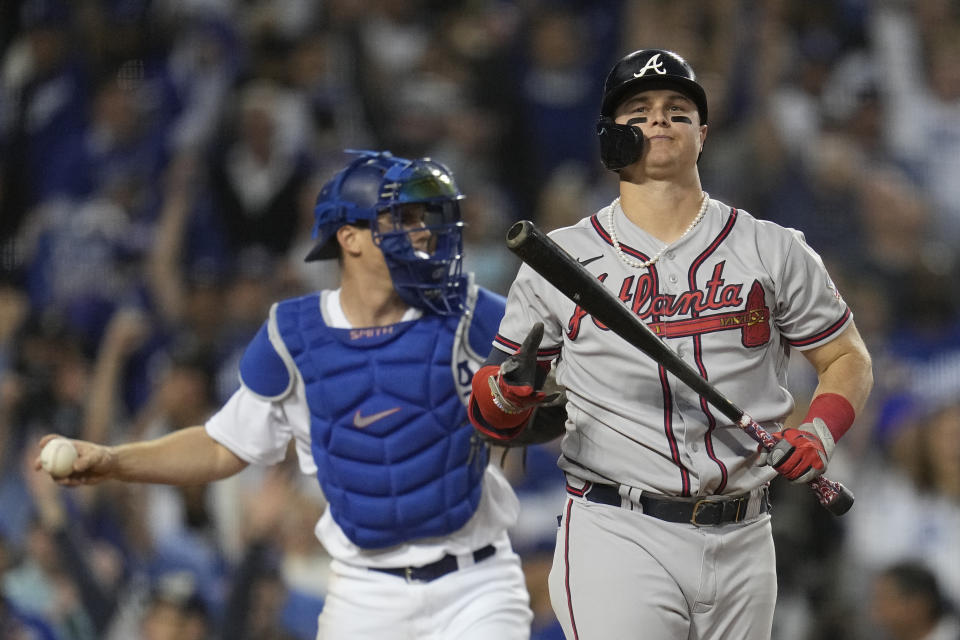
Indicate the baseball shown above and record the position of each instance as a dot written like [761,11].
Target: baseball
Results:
[57,457]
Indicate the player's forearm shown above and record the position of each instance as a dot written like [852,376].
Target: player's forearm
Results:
[184,457]
[843,367]
[849,375]
[845,374]
[844,380]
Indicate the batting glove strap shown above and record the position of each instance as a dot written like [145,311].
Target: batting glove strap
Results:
[802,454]
[518,396]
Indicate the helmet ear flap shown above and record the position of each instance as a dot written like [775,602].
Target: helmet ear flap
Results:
[620,144]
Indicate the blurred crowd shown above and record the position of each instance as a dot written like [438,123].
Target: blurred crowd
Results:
[159,160]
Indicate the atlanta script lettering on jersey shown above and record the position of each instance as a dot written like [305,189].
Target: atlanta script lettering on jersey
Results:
[640,292]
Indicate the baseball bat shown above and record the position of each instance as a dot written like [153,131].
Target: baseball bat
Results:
[561,270]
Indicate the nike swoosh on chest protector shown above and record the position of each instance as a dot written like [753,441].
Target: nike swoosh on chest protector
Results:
[361,421]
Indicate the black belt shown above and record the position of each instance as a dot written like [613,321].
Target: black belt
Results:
[708,511]
[443,566]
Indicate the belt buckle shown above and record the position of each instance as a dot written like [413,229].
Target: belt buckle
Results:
[408,575]
[699,504]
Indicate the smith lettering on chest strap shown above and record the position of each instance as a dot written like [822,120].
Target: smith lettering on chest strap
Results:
[443,566]
[703,511]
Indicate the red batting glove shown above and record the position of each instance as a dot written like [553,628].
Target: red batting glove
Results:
[503,397]
[801,454]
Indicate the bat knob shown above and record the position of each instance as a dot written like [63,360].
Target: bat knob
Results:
[833,496]
[842,502]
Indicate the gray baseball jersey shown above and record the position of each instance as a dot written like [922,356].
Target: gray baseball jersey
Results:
[731,298]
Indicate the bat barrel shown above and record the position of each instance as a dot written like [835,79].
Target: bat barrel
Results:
[519,233]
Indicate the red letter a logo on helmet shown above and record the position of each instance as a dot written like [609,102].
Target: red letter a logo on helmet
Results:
[653,63]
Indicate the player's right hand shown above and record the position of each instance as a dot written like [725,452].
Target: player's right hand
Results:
[506,395]
[801,454]
[514,389]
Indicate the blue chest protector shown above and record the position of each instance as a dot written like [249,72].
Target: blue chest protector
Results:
[394,449]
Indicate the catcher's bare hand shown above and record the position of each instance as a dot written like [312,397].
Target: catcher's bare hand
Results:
[93,465]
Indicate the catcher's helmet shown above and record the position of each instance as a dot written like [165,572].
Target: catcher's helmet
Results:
[378,184]
[651,69]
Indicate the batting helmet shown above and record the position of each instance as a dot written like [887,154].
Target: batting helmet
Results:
[622,144]
[378,184]
[651,69]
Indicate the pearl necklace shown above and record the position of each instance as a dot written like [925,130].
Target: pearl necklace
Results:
[630,262]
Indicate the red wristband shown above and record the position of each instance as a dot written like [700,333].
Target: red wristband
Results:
[835,410]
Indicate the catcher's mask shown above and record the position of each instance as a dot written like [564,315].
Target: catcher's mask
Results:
[622,144]
[399,198]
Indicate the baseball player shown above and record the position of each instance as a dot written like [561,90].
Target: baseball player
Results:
[666,530]
[371,381]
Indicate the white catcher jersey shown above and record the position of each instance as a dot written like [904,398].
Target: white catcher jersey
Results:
[259,430]
[731,298]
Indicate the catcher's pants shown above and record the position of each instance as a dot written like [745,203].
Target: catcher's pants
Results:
[480,602]
[620,575]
